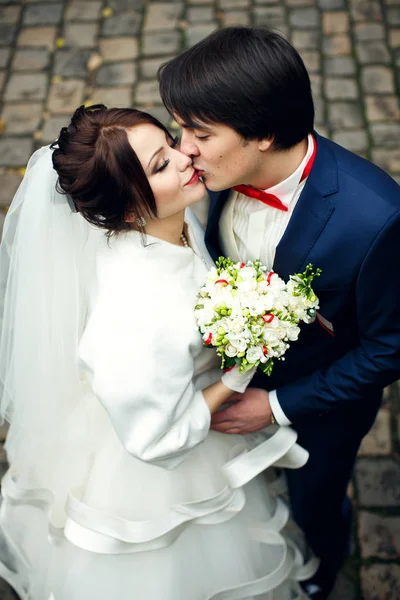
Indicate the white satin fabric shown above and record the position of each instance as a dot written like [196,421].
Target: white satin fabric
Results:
[152,506]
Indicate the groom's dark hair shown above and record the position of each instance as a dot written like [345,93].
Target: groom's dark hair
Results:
[249,78]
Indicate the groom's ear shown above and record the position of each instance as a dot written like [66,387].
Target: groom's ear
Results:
[265,144]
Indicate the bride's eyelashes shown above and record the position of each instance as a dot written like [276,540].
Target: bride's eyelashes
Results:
[174,143]
[202,137]
[163,166]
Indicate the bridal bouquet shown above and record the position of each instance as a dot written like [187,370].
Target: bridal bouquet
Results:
[251,315]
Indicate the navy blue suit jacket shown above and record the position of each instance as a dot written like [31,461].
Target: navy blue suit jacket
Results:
[347,222]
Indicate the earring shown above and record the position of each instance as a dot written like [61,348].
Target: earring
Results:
[141,222]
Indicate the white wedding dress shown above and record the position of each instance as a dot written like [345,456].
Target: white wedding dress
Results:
[139,500]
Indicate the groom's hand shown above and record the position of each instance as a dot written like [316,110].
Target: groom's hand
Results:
[251,412]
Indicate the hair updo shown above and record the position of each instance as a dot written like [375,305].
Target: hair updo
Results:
[98,168]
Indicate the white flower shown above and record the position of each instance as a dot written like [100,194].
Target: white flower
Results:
[254,353]
[293,333]
[231,351]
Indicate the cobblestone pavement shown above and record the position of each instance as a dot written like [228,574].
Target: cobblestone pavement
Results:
[56,54]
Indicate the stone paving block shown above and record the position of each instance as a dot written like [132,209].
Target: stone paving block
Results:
[4,57]
[377,80]
[335,22]
[306,39]
[233,4]
[380,582]
[147,93]
[340,89]
[37,36]
[114,49]
[116,74]
[366,11]
[10,14]
[378,441]
[195,33]
[336,45]
[345,115]
[119,6]
[42,14]
[160,43]
[366,32]
[236,17]
[82,35]
[388,160]
[71,62]
[304,18]
[15,152]
[32,59]
[22,118]
[52,127]
[312,60]
[355,140]
[382,108]
[82,10]
[149,66]
[319,106]
[159,112]
[372,52]
[122,24]
[339,65]
[379,536]
[200,14]
[271,16]
[386,134]
[301,3]
[316,84]
[65,96]
[24,87]
[162,16]
[332,4]
[378,482]
[9,183]
[119,97]
[393,14]
[394,38]
[7,32]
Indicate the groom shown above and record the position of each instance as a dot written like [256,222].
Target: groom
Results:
[243,99]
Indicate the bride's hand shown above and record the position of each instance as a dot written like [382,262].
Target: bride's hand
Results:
[250,412]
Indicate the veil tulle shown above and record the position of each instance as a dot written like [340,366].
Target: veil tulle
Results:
[46,260]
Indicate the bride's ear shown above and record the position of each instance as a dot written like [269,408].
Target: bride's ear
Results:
[132,218]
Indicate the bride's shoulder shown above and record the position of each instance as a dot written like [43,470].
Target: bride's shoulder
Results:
[126,267]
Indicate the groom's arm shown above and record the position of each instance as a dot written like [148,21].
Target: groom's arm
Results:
[375,362]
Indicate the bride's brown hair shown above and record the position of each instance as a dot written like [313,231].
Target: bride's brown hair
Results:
[98,168]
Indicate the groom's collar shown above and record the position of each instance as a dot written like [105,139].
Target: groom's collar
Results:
[324,174]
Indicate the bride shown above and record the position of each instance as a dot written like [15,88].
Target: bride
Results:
[116,486]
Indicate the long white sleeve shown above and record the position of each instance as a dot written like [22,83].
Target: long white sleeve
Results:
[137,348]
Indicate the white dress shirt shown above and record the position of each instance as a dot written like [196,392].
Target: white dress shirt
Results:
[250,229]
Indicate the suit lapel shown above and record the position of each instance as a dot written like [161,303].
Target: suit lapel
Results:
[312,212]
[217,201]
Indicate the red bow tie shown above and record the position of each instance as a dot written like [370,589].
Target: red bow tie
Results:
[271,199]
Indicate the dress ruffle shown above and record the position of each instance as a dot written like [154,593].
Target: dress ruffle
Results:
[232,495]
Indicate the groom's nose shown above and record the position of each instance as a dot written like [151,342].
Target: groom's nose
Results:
[188,144]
